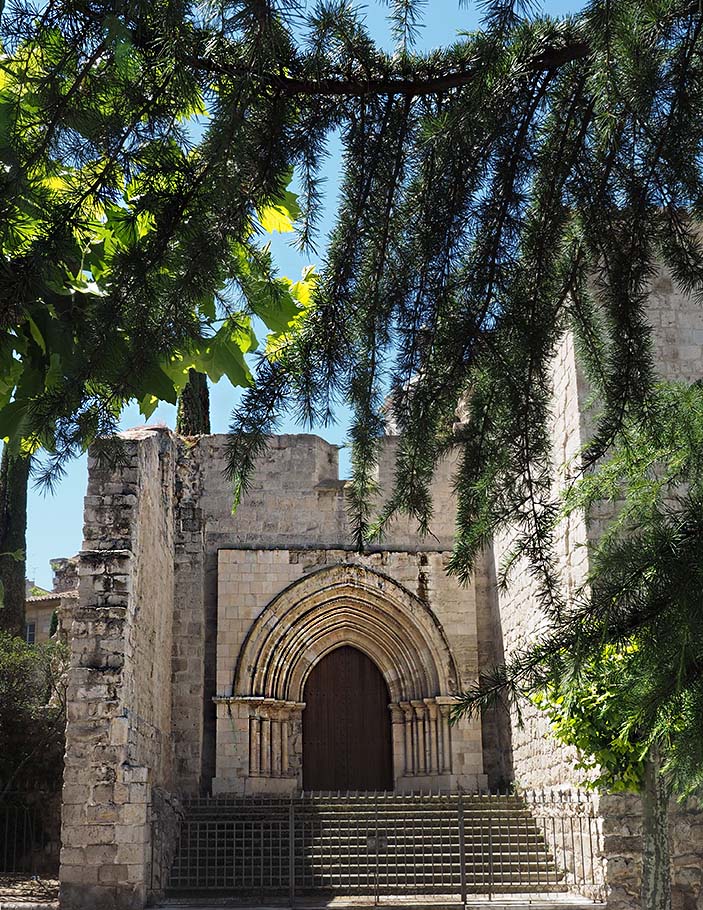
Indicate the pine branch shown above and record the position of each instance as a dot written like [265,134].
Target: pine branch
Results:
[548,60]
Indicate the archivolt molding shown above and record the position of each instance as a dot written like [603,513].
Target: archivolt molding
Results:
[346,605]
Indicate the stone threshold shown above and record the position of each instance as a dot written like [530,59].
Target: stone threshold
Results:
[402,902]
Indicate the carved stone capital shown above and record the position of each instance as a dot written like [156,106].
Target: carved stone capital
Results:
[407,710]
[432,708]
[397,713]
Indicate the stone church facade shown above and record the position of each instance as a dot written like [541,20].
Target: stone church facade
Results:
[201,638]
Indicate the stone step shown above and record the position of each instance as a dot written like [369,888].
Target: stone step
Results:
[387,857]
[417,904]
[486,819]
[364,842]
[342,808]
[534,900]
[217,805]
[359,833]
[536,867]
[237,843]
[393,822]
[361,851]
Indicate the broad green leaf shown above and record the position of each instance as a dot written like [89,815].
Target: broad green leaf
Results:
[275,219]
[207,308]
[157,383]
[290,204]
[55,371]
[272,303]
[223,354]
[148,405]
[242,333]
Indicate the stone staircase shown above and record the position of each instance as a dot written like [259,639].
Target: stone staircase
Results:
[362,844]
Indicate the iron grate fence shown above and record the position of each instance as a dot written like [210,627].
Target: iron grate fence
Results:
[21,837]
[381,844]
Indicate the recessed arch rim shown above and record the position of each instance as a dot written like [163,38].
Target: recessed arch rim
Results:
[407,639]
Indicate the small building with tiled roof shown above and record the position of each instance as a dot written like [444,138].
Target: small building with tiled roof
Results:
[42,607]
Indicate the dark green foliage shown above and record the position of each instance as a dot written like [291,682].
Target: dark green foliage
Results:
[496,193]
[32,714]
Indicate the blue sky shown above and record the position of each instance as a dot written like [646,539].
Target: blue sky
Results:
[55,521]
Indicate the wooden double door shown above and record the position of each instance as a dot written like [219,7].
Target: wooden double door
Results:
[347,725]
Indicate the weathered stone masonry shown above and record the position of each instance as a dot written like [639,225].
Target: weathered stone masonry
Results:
[171,585]
[195,630]
[119,711]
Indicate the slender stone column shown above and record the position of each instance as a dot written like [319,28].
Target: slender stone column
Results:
[421,737]
[285,730]
[254,745]
[432,726]
[445,703]
[398,740]
[266,738]
[409,718]
[276,743]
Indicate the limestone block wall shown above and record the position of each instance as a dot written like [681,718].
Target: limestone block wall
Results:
[496,731]
[295,501]
[269,760]
[191,672]
[296,497]
[118,701]
[677,330]
[622,830]
[538,761]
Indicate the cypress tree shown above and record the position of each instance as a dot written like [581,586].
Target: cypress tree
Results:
[193,414]
[14,476]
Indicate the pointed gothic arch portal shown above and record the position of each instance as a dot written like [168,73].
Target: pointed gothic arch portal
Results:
[394,638]
[347,724]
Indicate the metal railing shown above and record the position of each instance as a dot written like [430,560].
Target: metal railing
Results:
[21,837]
[383,844]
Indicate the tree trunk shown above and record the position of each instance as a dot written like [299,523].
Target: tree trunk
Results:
[193,417]
[14,476]
[656,866]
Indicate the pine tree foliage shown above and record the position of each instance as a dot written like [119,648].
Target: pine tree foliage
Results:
[621,673]
[523,181]
[482,183]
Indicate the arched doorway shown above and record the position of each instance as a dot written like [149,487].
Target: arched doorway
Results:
[346,725]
